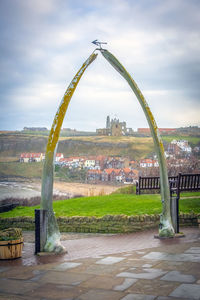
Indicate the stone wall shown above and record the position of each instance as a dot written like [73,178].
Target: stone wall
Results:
[106,224]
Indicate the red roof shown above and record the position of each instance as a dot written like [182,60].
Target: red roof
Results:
[109,171]
[127,170]
[117,171]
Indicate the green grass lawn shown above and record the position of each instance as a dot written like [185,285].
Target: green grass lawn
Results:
[99,206]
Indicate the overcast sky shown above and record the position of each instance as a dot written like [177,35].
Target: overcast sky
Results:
[43,43]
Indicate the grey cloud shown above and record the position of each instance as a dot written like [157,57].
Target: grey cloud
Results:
[43,43]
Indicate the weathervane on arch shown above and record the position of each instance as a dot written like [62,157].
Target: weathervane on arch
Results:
[96,42]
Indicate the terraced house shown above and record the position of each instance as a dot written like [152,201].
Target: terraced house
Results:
[113,175]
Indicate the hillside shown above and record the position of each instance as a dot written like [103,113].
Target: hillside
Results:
[132,147]
[12,145]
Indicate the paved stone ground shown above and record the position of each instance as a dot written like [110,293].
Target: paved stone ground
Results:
[127,267]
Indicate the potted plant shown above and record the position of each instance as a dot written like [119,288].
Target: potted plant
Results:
[11,243]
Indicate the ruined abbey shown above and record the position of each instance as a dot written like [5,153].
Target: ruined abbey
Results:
[114,128]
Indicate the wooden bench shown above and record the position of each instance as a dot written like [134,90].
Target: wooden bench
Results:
[188,182]
[153,183]
[177,184]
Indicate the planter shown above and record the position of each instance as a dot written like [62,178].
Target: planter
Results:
[11,249]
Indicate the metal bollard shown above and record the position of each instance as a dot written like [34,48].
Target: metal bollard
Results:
[175,213]
[40,229]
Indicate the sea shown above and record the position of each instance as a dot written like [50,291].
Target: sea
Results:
[15,189]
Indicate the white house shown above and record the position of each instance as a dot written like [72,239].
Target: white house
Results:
[89,163]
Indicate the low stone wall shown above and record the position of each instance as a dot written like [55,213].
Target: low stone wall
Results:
[26,223]
[106,224]
[189,219]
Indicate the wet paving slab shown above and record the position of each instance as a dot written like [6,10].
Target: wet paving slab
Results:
[187,291]
[148,269]
[95,245]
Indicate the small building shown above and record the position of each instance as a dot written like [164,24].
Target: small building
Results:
[65,162]
[163,131]
[148,163]
[115,163]
[182,144]
[116,175]
[130,175]
[31,157]
[132,164]
[94,175]
[58,157]
[89,163]
[106,174]
[100,161]
[173,149]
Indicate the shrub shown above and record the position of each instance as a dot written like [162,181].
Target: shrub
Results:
[10,234]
